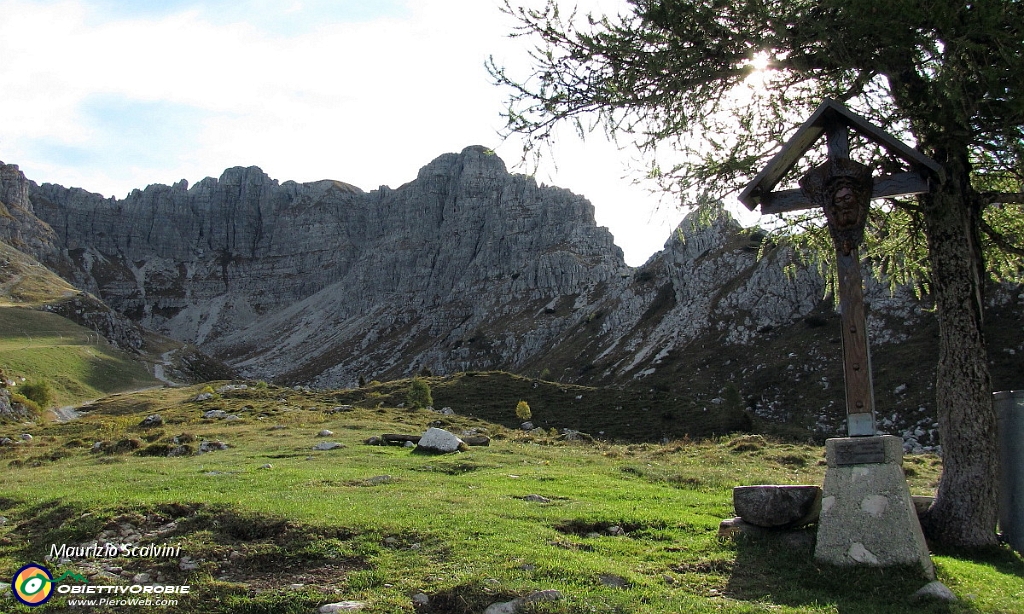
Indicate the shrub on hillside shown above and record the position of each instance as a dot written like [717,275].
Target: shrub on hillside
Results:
[523,410]
[39,392]
[419,396]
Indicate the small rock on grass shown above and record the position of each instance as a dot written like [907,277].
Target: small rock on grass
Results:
[328,445]
[152,421]
[342,606]
[613,581]
[511,607]
[935,590]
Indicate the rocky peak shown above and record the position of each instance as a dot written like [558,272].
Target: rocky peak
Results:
[19,227]
[14,187]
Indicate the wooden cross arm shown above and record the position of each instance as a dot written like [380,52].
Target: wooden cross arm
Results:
[900,184]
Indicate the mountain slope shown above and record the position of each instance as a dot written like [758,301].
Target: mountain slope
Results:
[470,268]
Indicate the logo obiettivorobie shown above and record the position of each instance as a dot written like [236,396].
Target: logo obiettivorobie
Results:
[32,585]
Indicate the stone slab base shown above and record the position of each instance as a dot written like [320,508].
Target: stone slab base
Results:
[867,515]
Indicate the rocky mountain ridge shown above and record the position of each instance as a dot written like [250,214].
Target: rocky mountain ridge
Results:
[467,267]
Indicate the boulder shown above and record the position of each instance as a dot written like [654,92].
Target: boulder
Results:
[777,506]
[922,503]
[342,606]
[328,445]
[151,421]
[511,607]
[210,446]
[440,441]
[216,414]
[399,438]
[935,590]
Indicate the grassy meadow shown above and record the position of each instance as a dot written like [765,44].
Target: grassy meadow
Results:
[78,364]
[272,525]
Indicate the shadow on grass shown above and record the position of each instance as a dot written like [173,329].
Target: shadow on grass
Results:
[783,571]
[999,559]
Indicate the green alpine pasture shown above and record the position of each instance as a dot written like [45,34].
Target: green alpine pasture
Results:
[275,526]
[78,364]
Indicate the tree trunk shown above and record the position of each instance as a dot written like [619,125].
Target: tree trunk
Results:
[966,505]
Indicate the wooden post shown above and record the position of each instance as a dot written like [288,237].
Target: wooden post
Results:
[860,395]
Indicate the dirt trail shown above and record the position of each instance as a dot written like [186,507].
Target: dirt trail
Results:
[70,412]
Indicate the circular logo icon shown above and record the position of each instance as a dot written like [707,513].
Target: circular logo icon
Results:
[32,585]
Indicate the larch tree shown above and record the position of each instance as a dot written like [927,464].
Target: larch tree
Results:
[675,75]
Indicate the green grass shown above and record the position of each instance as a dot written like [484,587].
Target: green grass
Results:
[26,282]
[78,364]
[454,527]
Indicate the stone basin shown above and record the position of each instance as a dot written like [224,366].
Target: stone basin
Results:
[777,506]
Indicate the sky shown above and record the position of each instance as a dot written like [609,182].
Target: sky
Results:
[113,95]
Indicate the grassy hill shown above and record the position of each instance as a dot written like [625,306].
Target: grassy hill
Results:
[271,525]
[79,364]
[636,413]
[26,282]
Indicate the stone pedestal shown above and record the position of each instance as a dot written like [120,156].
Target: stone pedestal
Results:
[867,515]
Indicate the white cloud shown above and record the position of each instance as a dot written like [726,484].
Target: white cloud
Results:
[366,101]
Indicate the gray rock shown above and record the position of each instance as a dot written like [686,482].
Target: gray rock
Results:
[420,600]
[439,441]
[526,426]
[215,414]
[152,421]
[777,505]
[613,580]
[26,437]
[325,433]
[328,445]
[536,499]
[342,606]
[511,607]
[211,446]
[935,590]
[204,396]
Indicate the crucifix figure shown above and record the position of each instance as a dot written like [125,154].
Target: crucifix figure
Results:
[843,189]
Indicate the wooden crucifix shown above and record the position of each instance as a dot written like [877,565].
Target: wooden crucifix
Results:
[843,189]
